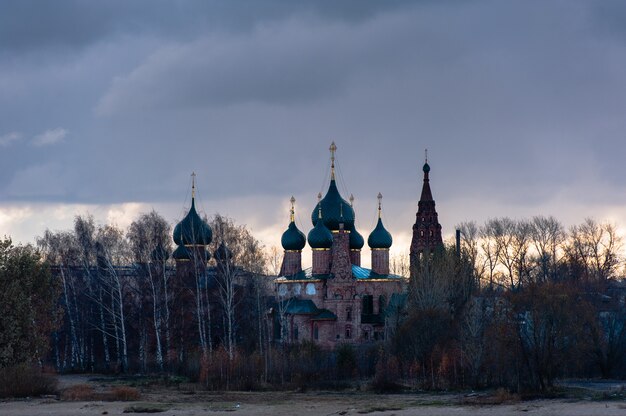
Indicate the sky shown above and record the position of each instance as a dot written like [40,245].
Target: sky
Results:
[108,107]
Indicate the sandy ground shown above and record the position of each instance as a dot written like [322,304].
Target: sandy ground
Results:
[188,402]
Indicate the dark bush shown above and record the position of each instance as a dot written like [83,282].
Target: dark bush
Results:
[26,381]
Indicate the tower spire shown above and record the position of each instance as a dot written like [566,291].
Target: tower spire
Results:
[292,212]
[426,155]
[333,149]
[193,185]
[380,199]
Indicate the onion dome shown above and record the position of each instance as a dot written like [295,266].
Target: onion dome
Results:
[320,236]
[293,239]
[223,253]
[192,230]
[380,237]
[426,167]
[159,254]
[336,209]
[181,253]
[356,239]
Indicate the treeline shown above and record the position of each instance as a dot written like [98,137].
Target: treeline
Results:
[509,253]
[125,309]
[521,304]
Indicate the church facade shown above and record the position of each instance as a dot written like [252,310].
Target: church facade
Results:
[336,300]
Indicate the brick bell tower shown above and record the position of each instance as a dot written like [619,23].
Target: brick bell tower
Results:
[426,230]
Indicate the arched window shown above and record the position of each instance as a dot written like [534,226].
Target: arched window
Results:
[368,305]
[421,233]
[348,332]
[348,314]
[310,289]
[282,290]
[382,302]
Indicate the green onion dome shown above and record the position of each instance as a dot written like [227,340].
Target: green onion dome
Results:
[356,239]
[293,238]
[426,167]
[223,253]
[192,230]
[320,236]
[380,237]
[335,210]
[181,253]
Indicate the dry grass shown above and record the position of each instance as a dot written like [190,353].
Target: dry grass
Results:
[78,393]
[124,394]
[85,392]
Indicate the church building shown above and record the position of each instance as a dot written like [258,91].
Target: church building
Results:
[336,300]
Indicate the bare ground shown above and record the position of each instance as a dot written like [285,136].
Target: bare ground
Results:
[188,400]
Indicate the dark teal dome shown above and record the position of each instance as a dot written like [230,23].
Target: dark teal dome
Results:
[334,207]
[223,253]
[426,168]
[181,253]
[293,239]
[380,237]
[192,230]
[185,253]
[356,239]
[159,254]
[320,236]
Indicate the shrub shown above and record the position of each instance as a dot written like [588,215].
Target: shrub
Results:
[78,392]
[346,362]
[24,381]
[124,393]
[85,392]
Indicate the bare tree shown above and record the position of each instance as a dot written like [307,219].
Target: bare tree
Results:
[470,235]
[490,237]
[112,251]
[150,243]
[399,264]
[595,247]
[547,236]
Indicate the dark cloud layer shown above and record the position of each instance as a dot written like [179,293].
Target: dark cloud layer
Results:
[518,102]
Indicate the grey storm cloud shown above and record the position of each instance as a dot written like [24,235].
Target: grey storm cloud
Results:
[517,101]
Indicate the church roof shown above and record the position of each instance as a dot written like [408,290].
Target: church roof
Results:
[358,272]
[335,209]
[380,237]
[192,230]
[293,238]
[356,239]
[320,236]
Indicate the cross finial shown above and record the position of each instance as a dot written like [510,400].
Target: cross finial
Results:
[292,211]
[193,185]
[351,200]
[319,197]
[380,200]
[426,155]
[333,149]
